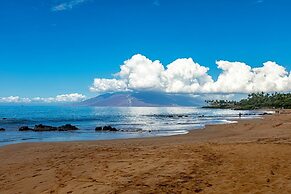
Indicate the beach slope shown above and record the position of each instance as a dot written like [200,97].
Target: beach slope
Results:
[252,156]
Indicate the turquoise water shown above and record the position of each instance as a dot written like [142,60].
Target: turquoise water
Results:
[136,122]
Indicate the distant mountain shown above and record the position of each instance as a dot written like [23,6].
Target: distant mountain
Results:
[143,99]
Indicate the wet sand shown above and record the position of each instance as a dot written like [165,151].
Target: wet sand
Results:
[252,156]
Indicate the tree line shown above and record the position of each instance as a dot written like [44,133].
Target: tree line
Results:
[254,101]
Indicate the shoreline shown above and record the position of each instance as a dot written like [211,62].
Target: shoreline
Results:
[248,156]
[230,121]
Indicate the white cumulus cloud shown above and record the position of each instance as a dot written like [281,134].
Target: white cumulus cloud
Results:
[14,99]
[108,85]
[271,77]
[237,77]
[64,98]
[141,73]
[70,97]
[186,76]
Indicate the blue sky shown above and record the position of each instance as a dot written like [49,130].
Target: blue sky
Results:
[51,47]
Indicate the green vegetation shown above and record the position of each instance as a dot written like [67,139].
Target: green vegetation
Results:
[254,101]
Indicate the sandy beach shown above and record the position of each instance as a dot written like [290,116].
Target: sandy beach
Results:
[252,156]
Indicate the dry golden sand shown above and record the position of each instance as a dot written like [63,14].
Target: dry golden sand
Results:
[248,157]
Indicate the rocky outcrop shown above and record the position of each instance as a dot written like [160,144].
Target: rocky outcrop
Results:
[106,128]
[25,128]
[2,129]
[98,128]
[42,128]
[67,127]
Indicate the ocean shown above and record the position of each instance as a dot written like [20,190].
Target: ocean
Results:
[135,122]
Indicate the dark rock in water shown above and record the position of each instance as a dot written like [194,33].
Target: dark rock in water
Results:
[106,128]
[2,129]
[25,128]
[263,114]
[98,129]
[41,127]
[4,118]
[109,128]
[67,127]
